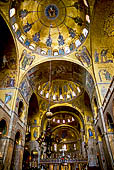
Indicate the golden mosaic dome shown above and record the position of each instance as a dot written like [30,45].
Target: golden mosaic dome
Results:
[60,90]
[50,28]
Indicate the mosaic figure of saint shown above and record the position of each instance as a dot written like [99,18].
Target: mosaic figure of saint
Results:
[96,55]
[107,75]
[104,55]
[10,82]
[85,55]
[8,97]
[90,133]
[27,59]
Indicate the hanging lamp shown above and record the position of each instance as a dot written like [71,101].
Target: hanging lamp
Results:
[49,113]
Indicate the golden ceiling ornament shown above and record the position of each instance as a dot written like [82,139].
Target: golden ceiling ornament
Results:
[49,114]
[31,22]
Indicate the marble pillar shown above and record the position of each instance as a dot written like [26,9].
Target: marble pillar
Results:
[102,155]
[17,157]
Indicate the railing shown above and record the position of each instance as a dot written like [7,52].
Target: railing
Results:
[58,161]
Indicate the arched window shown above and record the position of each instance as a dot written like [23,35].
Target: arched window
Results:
[95,107]
[33,105]
[20,109]
[17,138]
[99,133]
[3,127]
[110,121]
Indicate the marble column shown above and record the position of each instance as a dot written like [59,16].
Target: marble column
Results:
[17,158]
[102,155]
[106,141]
[111,141]
[92,153]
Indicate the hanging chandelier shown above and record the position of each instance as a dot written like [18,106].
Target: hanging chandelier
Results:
[49,113]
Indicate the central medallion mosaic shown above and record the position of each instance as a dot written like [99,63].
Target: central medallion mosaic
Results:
[51,12]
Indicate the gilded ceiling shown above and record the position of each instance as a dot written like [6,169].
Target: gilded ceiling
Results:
[59,70]
[59,90]
[56,28]
[67,79]
[50,27]
[65,118]
[71,116]
[66,135]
